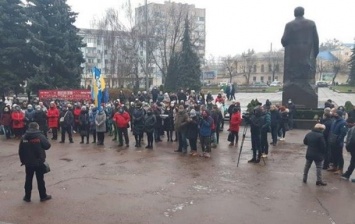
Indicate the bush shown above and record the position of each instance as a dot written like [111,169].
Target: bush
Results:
[309,114]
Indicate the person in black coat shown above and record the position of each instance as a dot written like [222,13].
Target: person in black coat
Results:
[192,131]
[168,120]
[327,121]
[40,117]
[316,149]
[149,127]
[32,154]
[275,121]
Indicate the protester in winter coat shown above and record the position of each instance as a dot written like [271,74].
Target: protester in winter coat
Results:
[29,114]
[66,121]
[32,154]
[336,137]
[234,126]
[350,147]
[122,119]
[138,123]
[18,122]
[284,122]
[149,127]
[76,113]
[327,121]
[265,128]
[316,149]
[205,134]
[92,116]
[192,132]
[169,122]
[53,119]
[180,128]
[6,121]
[40,118]
[84,125]
[100,121]
[274,125]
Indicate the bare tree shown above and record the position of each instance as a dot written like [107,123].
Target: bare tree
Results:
[165,30]
[275,60]
[339,66]
[247,64]
[230,65]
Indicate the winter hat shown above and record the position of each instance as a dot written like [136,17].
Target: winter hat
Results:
[319,126]
[193,113]
[340,113]
[83,108]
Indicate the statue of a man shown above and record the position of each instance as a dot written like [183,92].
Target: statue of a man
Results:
[301,43]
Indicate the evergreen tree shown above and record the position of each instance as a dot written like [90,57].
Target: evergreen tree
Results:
[14,50]
[170,84]
[352,68]
[189,64]
[55,45]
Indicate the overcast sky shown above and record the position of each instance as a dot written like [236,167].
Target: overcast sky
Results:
[234,26]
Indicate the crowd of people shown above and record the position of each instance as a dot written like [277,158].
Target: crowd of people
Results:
[186,117]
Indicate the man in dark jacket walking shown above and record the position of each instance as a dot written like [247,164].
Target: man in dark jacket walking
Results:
[316,149]
[32,154]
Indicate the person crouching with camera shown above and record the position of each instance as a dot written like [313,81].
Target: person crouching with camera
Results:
[32,154]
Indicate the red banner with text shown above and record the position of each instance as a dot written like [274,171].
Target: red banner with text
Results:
[81,94]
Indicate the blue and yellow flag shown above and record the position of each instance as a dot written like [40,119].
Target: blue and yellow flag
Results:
[98,86]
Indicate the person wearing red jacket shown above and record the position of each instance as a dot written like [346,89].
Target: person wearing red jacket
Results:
[18,122]
[122,119]
[53,116]
[6,121]
[219,99]
[76,112]
[234,126]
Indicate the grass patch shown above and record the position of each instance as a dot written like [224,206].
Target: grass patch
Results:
[344,89]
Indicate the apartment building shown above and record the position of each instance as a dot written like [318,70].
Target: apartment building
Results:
[163,25]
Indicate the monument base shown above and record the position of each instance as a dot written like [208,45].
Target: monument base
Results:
[303,95]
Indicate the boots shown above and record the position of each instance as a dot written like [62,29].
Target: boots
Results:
[321,183]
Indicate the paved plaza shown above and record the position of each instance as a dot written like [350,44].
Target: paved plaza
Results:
[93,184]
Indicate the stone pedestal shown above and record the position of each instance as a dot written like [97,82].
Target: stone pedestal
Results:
[302,94]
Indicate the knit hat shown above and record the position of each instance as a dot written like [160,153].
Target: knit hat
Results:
[193,113]
[340,113]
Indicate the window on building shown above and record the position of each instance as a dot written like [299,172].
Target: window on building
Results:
[90,60]
[98,41]
[98,60]
[254,78]
[254,68]
[90,40]
[105,52]
[262,68]
[269,78]
[261,78]
[106,61]
[270,68]
[201,18]
[277,68]
[276,78]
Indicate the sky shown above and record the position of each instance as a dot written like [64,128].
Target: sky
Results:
[234,26]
